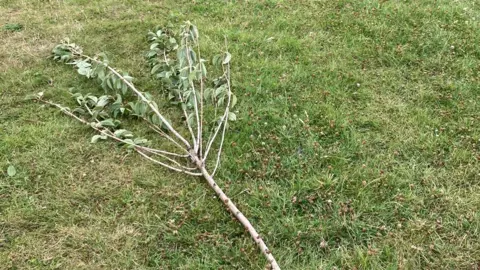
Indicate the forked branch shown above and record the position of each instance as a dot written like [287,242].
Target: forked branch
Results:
[186,80]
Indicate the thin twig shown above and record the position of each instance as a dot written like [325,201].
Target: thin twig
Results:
[194,141]
[163,134]
[164,152]
[166,165]
[214,129]
[89,110]
[171,160]
[200,143]
[223,120]
[146,148]
[110,135]
[144,99]
[219,153]
[194,93]
[209,146]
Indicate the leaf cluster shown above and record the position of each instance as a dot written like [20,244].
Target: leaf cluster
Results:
[175,60]
[104,111]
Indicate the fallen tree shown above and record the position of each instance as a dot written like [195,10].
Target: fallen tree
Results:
[175,59]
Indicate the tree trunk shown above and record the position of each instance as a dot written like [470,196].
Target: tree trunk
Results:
[239,215]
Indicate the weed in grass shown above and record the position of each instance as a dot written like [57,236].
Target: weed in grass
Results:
[13,27]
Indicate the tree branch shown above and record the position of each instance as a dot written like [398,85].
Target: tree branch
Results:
[238,215]
[142,97]
[194,140]
[223,121]
[227,110]
[194,94]
[166,165]
[109,134]
[159,153]
[163,134]
[170,160]
[200,143]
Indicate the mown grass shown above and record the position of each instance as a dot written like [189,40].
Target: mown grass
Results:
[357,145]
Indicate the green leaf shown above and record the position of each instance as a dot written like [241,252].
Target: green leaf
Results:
[217,59]
[192,76]
[107,123]
[193,56]
[127,77]
[148,96]
[123,133]
[84,68]
[94,99]
[124,88]
[140,141]
[104,84]
[195,32]
[203,69]
[118,84]
[132,107]
[110,80]
[151,54]
[100,115]
[83,64]
[104,58]
[181,56]
[141,108]
[156,68]
[232,116]
[234,100]
[221,101]
[154,104]
[80,99]
[102,101]
[128,141]
[118,100]
[207,94]
[191,119]
[156,120]
[184,106]
[162,74]
[164,126]
[101,73]
[80,111]
[95,138]
[11,171]
[227,58]
[220,90]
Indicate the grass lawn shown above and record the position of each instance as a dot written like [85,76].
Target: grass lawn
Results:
[357,144]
